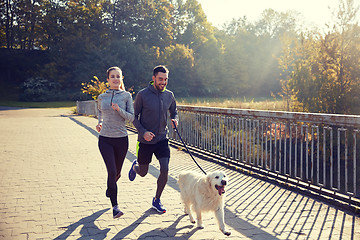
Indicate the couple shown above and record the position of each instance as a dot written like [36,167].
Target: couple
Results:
[149,116]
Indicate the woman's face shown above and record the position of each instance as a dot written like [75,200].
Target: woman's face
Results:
[114,79]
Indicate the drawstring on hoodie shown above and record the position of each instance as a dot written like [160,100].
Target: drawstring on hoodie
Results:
[112,96]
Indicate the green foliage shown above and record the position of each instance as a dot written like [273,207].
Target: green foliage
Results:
[322,73]
[40,90]
[180,59]
[80,39]
[56,104]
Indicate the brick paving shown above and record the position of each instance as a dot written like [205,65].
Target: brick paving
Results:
[53,181]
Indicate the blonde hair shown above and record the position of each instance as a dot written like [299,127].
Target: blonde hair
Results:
[122,86]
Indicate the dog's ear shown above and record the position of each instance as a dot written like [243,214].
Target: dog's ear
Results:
[208,180]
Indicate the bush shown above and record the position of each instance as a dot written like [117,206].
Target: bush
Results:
[94,87]
[40,90]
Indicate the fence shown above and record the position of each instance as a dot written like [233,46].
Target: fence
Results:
[317,151]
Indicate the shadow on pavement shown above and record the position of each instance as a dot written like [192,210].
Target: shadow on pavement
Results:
[89,227]
[170,231]
[126,231]
[5,108]
[92,131]
[238,224]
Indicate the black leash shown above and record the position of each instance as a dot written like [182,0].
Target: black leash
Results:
[176,130]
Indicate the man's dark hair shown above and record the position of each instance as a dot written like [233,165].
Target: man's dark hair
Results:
[160,68]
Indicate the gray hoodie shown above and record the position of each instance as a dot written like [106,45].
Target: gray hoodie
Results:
[151,109]
[113,122]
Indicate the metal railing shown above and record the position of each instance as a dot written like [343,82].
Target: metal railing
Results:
[317,151]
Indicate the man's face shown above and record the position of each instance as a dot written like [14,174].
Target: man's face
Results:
[160,81]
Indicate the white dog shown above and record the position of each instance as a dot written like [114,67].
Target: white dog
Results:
[204,193]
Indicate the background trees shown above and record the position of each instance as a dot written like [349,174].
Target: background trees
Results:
[69,41]
[323,70]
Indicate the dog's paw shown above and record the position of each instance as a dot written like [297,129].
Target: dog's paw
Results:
[192,221]
[186,212]
[227,233]
[200,226]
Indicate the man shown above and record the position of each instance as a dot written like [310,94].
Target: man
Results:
[150,110]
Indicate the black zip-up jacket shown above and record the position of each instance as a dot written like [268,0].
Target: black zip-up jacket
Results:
[150,110]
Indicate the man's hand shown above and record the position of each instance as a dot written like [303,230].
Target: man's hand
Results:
[148,136]
[98,127]
[174,121]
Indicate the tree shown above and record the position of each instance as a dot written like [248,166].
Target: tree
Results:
[180,61]
[21,23]
[74,33]
[195,29]
[8,18]
[252,48]
[341,62]
[145,22]
[324,71]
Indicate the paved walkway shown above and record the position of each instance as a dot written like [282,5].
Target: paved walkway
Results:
[53,181]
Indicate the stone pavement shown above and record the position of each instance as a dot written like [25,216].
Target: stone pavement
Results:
[53,181]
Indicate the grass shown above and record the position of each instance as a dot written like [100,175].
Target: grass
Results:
[256,104]
[64,104]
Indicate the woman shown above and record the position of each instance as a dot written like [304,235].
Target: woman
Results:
[115,108]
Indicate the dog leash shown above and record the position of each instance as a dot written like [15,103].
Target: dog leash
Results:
[176,130]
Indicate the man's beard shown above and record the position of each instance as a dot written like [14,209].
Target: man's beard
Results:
[160,88]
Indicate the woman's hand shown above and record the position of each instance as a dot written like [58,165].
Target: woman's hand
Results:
[115,107]
[98,127]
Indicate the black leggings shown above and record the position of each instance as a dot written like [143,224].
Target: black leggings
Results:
[113,151]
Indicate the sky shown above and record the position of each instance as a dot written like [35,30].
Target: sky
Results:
[314,12]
